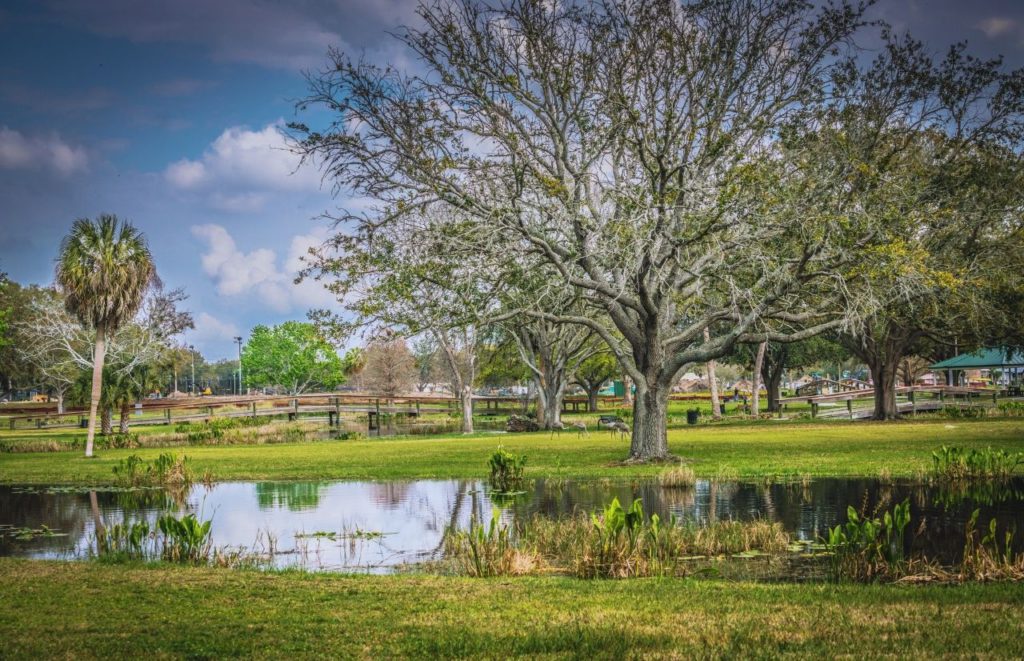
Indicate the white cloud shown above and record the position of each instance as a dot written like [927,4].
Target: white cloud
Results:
[246,163]
[20,152]
[997,26]
[186,173]
[256,274]
[211,329]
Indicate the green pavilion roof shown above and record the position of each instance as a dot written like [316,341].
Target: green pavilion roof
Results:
[983,359]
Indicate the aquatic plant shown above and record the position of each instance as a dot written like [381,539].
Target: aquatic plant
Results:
[506,470]
[24,534]
[128,541]
[186,539]
[956,463]
[182,540]
[990,556]
[869,547]
[487,550]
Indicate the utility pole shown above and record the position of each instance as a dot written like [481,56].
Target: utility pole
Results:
[192,352]
[239,341]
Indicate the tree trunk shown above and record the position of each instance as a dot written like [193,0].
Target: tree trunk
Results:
[97,384]
[467,409]
[716,408]
[107,421]
[773,383]
[60,402]
[550,392]
[883,374]
[627,394]
[650,410]
[755,396]
[592,394]
[553,409]
[125,414]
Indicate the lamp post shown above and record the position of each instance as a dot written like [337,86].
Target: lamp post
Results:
[192,353]
[239,341]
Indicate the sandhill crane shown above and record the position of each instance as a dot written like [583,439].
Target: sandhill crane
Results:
[580,427]
[618,426]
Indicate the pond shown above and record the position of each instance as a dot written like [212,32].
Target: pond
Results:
[334,525]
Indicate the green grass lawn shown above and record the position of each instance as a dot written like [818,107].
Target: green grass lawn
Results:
[754,450]
[93,610]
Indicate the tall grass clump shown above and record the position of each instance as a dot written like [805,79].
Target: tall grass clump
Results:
[506,470]
[955,463]
[167,470]
[680,477]
[870,547]
[614,542]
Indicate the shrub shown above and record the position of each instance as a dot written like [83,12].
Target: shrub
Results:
[964,412]
[1012,409]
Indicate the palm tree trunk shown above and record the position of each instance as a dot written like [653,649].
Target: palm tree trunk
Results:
[125,414]
[106,421]
[97,384]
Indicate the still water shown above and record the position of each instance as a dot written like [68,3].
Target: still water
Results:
[412,515]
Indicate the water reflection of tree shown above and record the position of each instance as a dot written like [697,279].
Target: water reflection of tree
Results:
[390,495]
[293,495]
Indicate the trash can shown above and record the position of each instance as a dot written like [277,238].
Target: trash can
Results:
[722,408]
[691,416]
[84,423]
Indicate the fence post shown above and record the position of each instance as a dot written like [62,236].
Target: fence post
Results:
[167,414]
[849,407]
[913,404]
[814,409]
[337,412]
[254,409]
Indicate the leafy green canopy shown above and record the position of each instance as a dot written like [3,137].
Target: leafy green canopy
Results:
[293,355]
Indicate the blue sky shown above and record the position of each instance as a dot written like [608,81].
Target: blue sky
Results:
[166,113]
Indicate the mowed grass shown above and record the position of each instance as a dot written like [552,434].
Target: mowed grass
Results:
[755,450]
[92,610]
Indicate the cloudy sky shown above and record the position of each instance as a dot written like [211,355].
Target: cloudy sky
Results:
[167,113]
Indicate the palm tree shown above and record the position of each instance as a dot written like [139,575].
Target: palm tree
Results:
[104,269]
